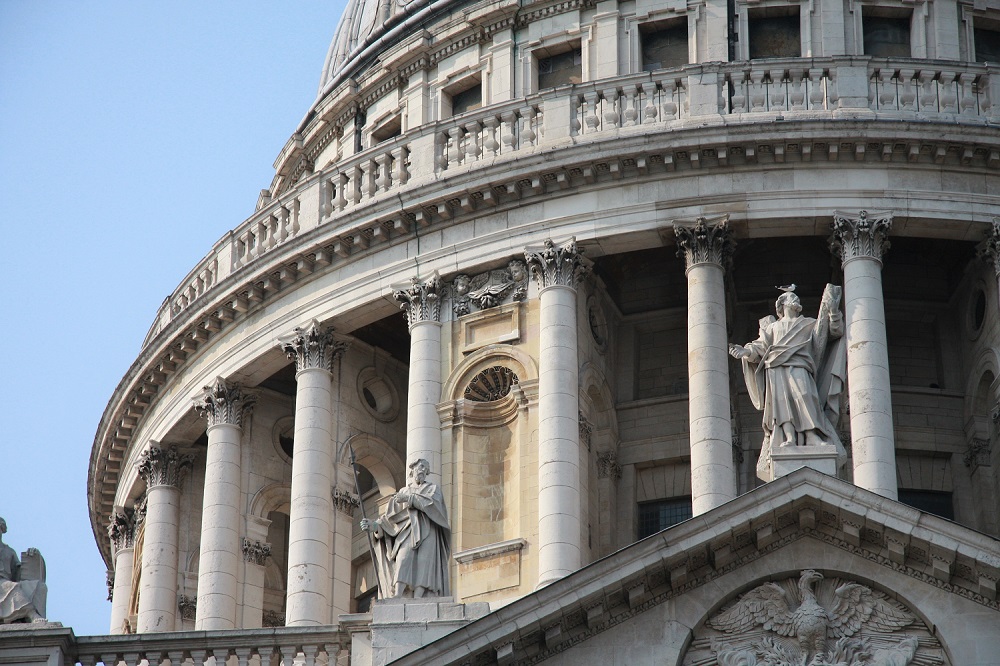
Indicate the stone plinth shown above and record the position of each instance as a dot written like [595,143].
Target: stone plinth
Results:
[787,459]
[400,626]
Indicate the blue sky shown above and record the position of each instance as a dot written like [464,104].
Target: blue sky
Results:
[133,135]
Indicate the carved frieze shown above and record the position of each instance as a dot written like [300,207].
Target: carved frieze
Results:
[552,264]
[164,467]
[860,236]
[705,242]
[817,620]
[607,465]
[121,528]
[313,346]
[345,501]
[989,249]
[223,403]
[255,552]
[491,384]
[490,289]
[420,300]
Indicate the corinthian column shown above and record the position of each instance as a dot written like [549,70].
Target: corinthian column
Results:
[121,531]
[557,269]
[706,248]
[860,241]
[421,301]
[314,350]
[163,470]
[224,406]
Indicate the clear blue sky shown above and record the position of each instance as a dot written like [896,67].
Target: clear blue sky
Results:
[133,135]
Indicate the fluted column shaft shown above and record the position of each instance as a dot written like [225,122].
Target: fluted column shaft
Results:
[557,269]
[310,515]
[861,241]
[421,300]
[705,248]
[163,470]
[223,405]
[121,531]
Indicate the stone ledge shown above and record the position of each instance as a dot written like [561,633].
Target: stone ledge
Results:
[490,550]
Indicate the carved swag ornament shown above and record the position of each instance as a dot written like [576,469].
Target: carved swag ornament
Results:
[814,621]
[490,289]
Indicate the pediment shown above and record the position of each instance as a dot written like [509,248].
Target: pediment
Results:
[675,580]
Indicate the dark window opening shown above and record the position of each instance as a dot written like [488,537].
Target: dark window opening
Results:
[468,99]
[560,69]
[287,443]
[664,45]
[365,599]
[987,39]
[390,129]
[661,514]
[886,36]
[931,501]
[979,310]
[773,35]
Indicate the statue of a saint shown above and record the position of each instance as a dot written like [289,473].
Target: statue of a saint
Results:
[795,373]
[21,599]
[413,539]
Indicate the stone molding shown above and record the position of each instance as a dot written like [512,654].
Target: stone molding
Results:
[122,528]
[608,466]
[489,550]
[861,236]
[223,403]
[489,289]
[420,300]
[707,242]
[164,467]
[345,501]
[989,249]
[556,265]
[314,346]
[255,552]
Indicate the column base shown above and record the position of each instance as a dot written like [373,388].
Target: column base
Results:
[786,460]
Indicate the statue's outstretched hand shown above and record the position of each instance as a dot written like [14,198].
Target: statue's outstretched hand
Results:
[366,525]
[31,552]
[736,351]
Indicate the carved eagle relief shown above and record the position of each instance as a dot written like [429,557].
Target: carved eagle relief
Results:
[785,625]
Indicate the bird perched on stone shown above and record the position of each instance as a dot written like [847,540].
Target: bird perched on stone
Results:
[785,287]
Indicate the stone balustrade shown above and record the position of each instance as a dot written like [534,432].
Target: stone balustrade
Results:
[278,646]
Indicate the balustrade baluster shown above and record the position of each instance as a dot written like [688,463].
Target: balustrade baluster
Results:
[265,655]
[176,657]
[198,656]
[817,92]
[740,99]
[612,116]
[758,91]
[490,143]
[649,112]
[776,90]
[399,172]
[796,89]
[670,107]
[509,132]
[341,199]
[455,146]
[928,91]
[358,179]
[592,120]
[528,125]
[631,114]
[948,92]
[907,90]
[326,189]
[310,652]
[472,141]
[384,171]
[288,654]
[110,659]
[886,86]
[967,94]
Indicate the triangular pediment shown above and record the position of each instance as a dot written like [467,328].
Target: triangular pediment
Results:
[801,521]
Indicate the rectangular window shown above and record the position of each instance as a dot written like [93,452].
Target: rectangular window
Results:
[661,514]
[774,32]
[886,36]
[932,501]
[467,99]
[390,129]
[986,34]
[560,69]
[663,44]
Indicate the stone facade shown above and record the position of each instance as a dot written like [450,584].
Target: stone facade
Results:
[658,186]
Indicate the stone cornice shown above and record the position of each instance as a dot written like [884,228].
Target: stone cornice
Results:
[802,505]
[593,163]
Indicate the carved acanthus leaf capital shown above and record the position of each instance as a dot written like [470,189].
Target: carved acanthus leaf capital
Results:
[978,454]
[607,466]
[345,501]
[256,552]
[188,606]
[989,249]
[707,242]
[553,265]
[223,403]
[313,347]
[420,300]
[164,467]
[121,529]
[864,235]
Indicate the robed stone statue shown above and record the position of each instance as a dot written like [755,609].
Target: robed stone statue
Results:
[22,587]
[795,373]
[413,539]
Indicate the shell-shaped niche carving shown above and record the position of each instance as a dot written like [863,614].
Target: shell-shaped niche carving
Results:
[491,384]
[817,620]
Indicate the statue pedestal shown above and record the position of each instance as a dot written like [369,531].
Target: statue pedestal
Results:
[400,626]
[787,459]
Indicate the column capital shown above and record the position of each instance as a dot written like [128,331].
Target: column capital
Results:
[861,236]
[255,552]
[707,242]
[345,501]
[420,300]
[313,346]
[121,529]
[989,249]
[164,467]
[223,403]
[552,264]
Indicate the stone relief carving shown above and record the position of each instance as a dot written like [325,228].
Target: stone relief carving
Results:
[814,621]
[978,454]
[345,501]
[491,384]
[989,249]
[586,430]
[490,289]
[255,552]
[223,403]
[273,619]
[22,584]
[188,606]
[607,465]
[795,372]
[415,516]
